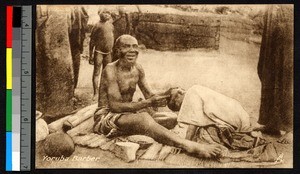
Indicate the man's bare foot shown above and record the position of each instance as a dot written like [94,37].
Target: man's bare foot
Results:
[268,130]
[286,138]
[258,127]
[205,150]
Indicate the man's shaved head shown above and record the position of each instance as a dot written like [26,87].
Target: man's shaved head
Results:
[126,48]
[123,38]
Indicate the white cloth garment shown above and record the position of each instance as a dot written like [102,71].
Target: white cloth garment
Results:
[202,106]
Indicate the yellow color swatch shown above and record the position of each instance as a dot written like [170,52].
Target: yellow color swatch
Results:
[9,68]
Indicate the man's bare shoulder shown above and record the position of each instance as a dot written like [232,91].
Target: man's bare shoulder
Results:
[112,64]
[98,26]
[95,26]
[140,69]
[110,69]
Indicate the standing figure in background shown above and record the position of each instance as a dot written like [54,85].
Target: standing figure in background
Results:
[101,44]
[275,70]
[78,28]
[122,24]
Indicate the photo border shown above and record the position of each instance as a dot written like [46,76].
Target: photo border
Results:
[296,145]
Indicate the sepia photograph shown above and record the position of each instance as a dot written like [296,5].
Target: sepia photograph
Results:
[164,86]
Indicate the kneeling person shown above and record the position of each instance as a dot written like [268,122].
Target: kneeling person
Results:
[200,106]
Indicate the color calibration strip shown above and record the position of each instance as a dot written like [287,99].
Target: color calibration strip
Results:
[13,87]
[9,19]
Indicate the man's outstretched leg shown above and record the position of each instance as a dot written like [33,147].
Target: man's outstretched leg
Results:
[143,123]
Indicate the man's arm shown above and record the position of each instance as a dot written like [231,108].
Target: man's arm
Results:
[115,98]
[92,41]
[159,99]
[142,83]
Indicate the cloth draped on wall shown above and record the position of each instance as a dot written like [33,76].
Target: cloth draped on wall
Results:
[275,68]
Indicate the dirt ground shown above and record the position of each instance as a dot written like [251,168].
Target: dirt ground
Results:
[232,70]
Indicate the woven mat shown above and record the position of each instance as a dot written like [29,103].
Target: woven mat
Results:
[156,151]
[153,151]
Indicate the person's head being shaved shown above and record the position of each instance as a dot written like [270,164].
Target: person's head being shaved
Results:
[176,98]
[126,49]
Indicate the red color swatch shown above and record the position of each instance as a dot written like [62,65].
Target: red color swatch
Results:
[9,22]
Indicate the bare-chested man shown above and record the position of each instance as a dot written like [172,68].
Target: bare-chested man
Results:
[101,44]
[118,114]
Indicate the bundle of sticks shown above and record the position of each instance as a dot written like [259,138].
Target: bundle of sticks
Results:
[77,123]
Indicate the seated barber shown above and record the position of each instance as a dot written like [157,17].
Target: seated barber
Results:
[118,114]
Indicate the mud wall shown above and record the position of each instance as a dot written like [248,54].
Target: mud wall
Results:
[236,28]
[176,31]
[166,28]
[173,32]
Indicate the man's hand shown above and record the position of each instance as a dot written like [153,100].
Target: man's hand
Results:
[158,100]
[168,92]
